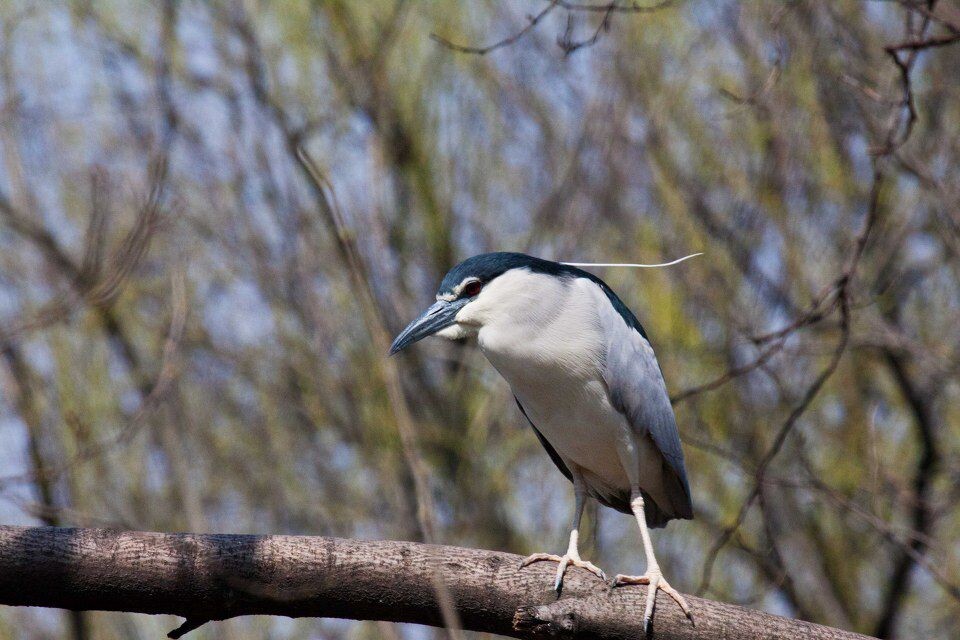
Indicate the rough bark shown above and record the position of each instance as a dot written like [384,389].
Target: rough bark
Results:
[214,577]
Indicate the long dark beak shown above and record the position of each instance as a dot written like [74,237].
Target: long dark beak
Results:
[439,315]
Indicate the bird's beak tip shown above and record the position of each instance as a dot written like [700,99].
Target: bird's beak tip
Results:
[400,343]
[438,316]
[396,346]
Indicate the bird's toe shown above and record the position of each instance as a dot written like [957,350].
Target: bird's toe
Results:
[656,582]
[679,599]
[564,562]
[592,568]
[622,579]
[537,557]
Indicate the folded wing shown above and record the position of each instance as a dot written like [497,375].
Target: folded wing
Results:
[637,390]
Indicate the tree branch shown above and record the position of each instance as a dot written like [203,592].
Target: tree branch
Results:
[532,22]
[215,577]
[921,403]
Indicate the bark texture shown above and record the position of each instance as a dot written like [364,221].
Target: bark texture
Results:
[213,577]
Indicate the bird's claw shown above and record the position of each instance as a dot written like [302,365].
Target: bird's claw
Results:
[563,562]
[656,581]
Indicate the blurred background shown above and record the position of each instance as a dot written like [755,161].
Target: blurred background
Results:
[215,214]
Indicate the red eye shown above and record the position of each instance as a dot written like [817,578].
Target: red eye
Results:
[472,288]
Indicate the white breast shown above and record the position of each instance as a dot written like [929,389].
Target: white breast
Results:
[550,350]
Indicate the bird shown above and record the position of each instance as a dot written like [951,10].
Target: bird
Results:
[585,377]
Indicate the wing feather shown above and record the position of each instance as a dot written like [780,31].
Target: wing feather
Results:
[637,390]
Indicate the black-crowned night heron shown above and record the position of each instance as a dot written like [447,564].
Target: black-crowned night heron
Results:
[586,378]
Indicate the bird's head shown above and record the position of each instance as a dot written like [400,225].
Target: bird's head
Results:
[480,289]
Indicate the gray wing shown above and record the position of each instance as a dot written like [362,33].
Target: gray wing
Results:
[637,390]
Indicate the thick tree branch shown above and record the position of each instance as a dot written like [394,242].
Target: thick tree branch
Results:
[214,577]
[921,403]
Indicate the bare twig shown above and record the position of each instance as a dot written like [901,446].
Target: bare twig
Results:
[731,374]
[616,7]
[929,43]
[565,42]
[569,45]
[94,281]
[532,22]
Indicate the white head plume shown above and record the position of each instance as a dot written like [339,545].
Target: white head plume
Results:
[625,264]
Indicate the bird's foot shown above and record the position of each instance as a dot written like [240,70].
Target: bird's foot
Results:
[564,562]
[654,578]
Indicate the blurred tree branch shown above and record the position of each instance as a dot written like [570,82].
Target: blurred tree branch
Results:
[95,280]
[532,22]
[565,41]
[216,577]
